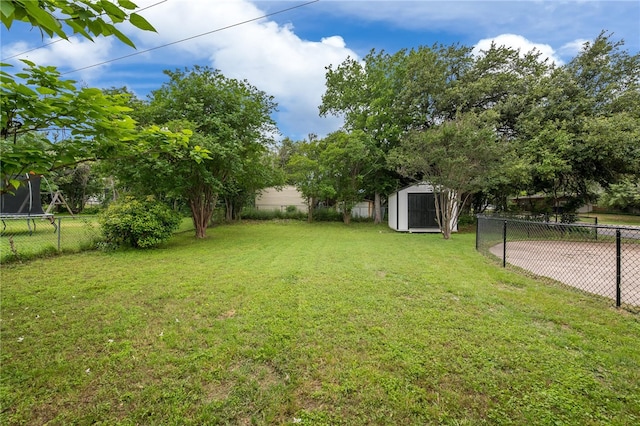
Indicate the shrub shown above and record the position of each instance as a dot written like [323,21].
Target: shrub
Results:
[138,223]
[251,213]
[466,219]
[569,217]
[326,214]
[92,210]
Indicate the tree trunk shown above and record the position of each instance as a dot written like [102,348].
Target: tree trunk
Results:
[446,215]
[202,204]
[346,216]
[377,213]
[311,203]
[443,212]
[228,203]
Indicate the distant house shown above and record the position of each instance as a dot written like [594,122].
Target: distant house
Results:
[413,209]
[280,199]
[364,209]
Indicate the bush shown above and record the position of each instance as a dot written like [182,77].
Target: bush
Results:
[466,219]
[320,214]
[327,214]
[251,213]
[138,223]
[569,217]
[92,210]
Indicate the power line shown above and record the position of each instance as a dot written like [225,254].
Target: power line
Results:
[60,39]
[191,38]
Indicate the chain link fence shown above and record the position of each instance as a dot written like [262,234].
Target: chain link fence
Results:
[599,259]
[23,238]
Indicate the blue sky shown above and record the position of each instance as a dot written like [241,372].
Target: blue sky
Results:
[286,54]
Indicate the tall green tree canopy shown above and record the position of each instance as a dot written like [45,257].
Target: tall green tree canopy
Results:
[232,129]
[455,157]
[583,126]
[346,159]
[563,129]
[364,93]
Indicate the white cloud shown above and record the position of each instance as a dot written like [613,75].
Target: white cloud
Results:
[273,56]
[573,47]
[519,43]
[270,56]
[75,53]
[229,35]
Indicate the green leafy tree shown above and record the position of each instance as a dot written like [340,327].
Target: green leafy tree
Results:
[454,157]
[78,184]
[364,93]
[259,171]
[444,81]
[432,74]
[346,161]
[81,123]
[305,172]
[624,196]
[48,122]
[231,125]
[85,17]
[583,126]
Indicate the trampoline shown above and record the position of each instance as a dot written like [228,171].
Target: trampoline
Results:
[25,204]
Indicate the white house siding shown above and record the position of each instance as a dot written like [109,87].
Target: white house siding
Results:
[273,199]
[364,209]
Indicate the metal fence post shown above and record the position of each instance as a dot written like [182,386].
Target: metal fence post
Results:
[596,223]
[477,230]
[59,231]
[618,269]
[504,244]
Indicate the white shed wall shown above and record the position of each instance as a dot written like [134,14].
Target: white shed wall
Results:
[399,208]
[393,211]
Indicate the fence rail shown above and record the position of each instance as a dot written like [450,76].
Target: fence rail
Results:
[23,238]
[599,259]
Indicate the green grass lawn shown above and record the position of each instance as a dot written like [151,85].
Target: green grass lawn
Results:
[76,234]
[611,219]
[283,323]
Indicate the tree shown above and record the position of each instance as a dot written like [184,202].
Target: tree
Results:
[78,184]
[432,75]
[624,196]
[444,81]
[84,17]
[48,123]
[305,172]
[83,123]
[454,157]
[365,92]
[259,171]
[231,125]
[583,126]
[345,160]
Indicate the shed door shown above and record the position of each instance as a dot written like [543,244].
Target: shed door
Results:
[422,211]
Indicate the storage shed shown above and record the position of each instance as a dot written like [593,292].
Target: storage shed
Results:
[413,209]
